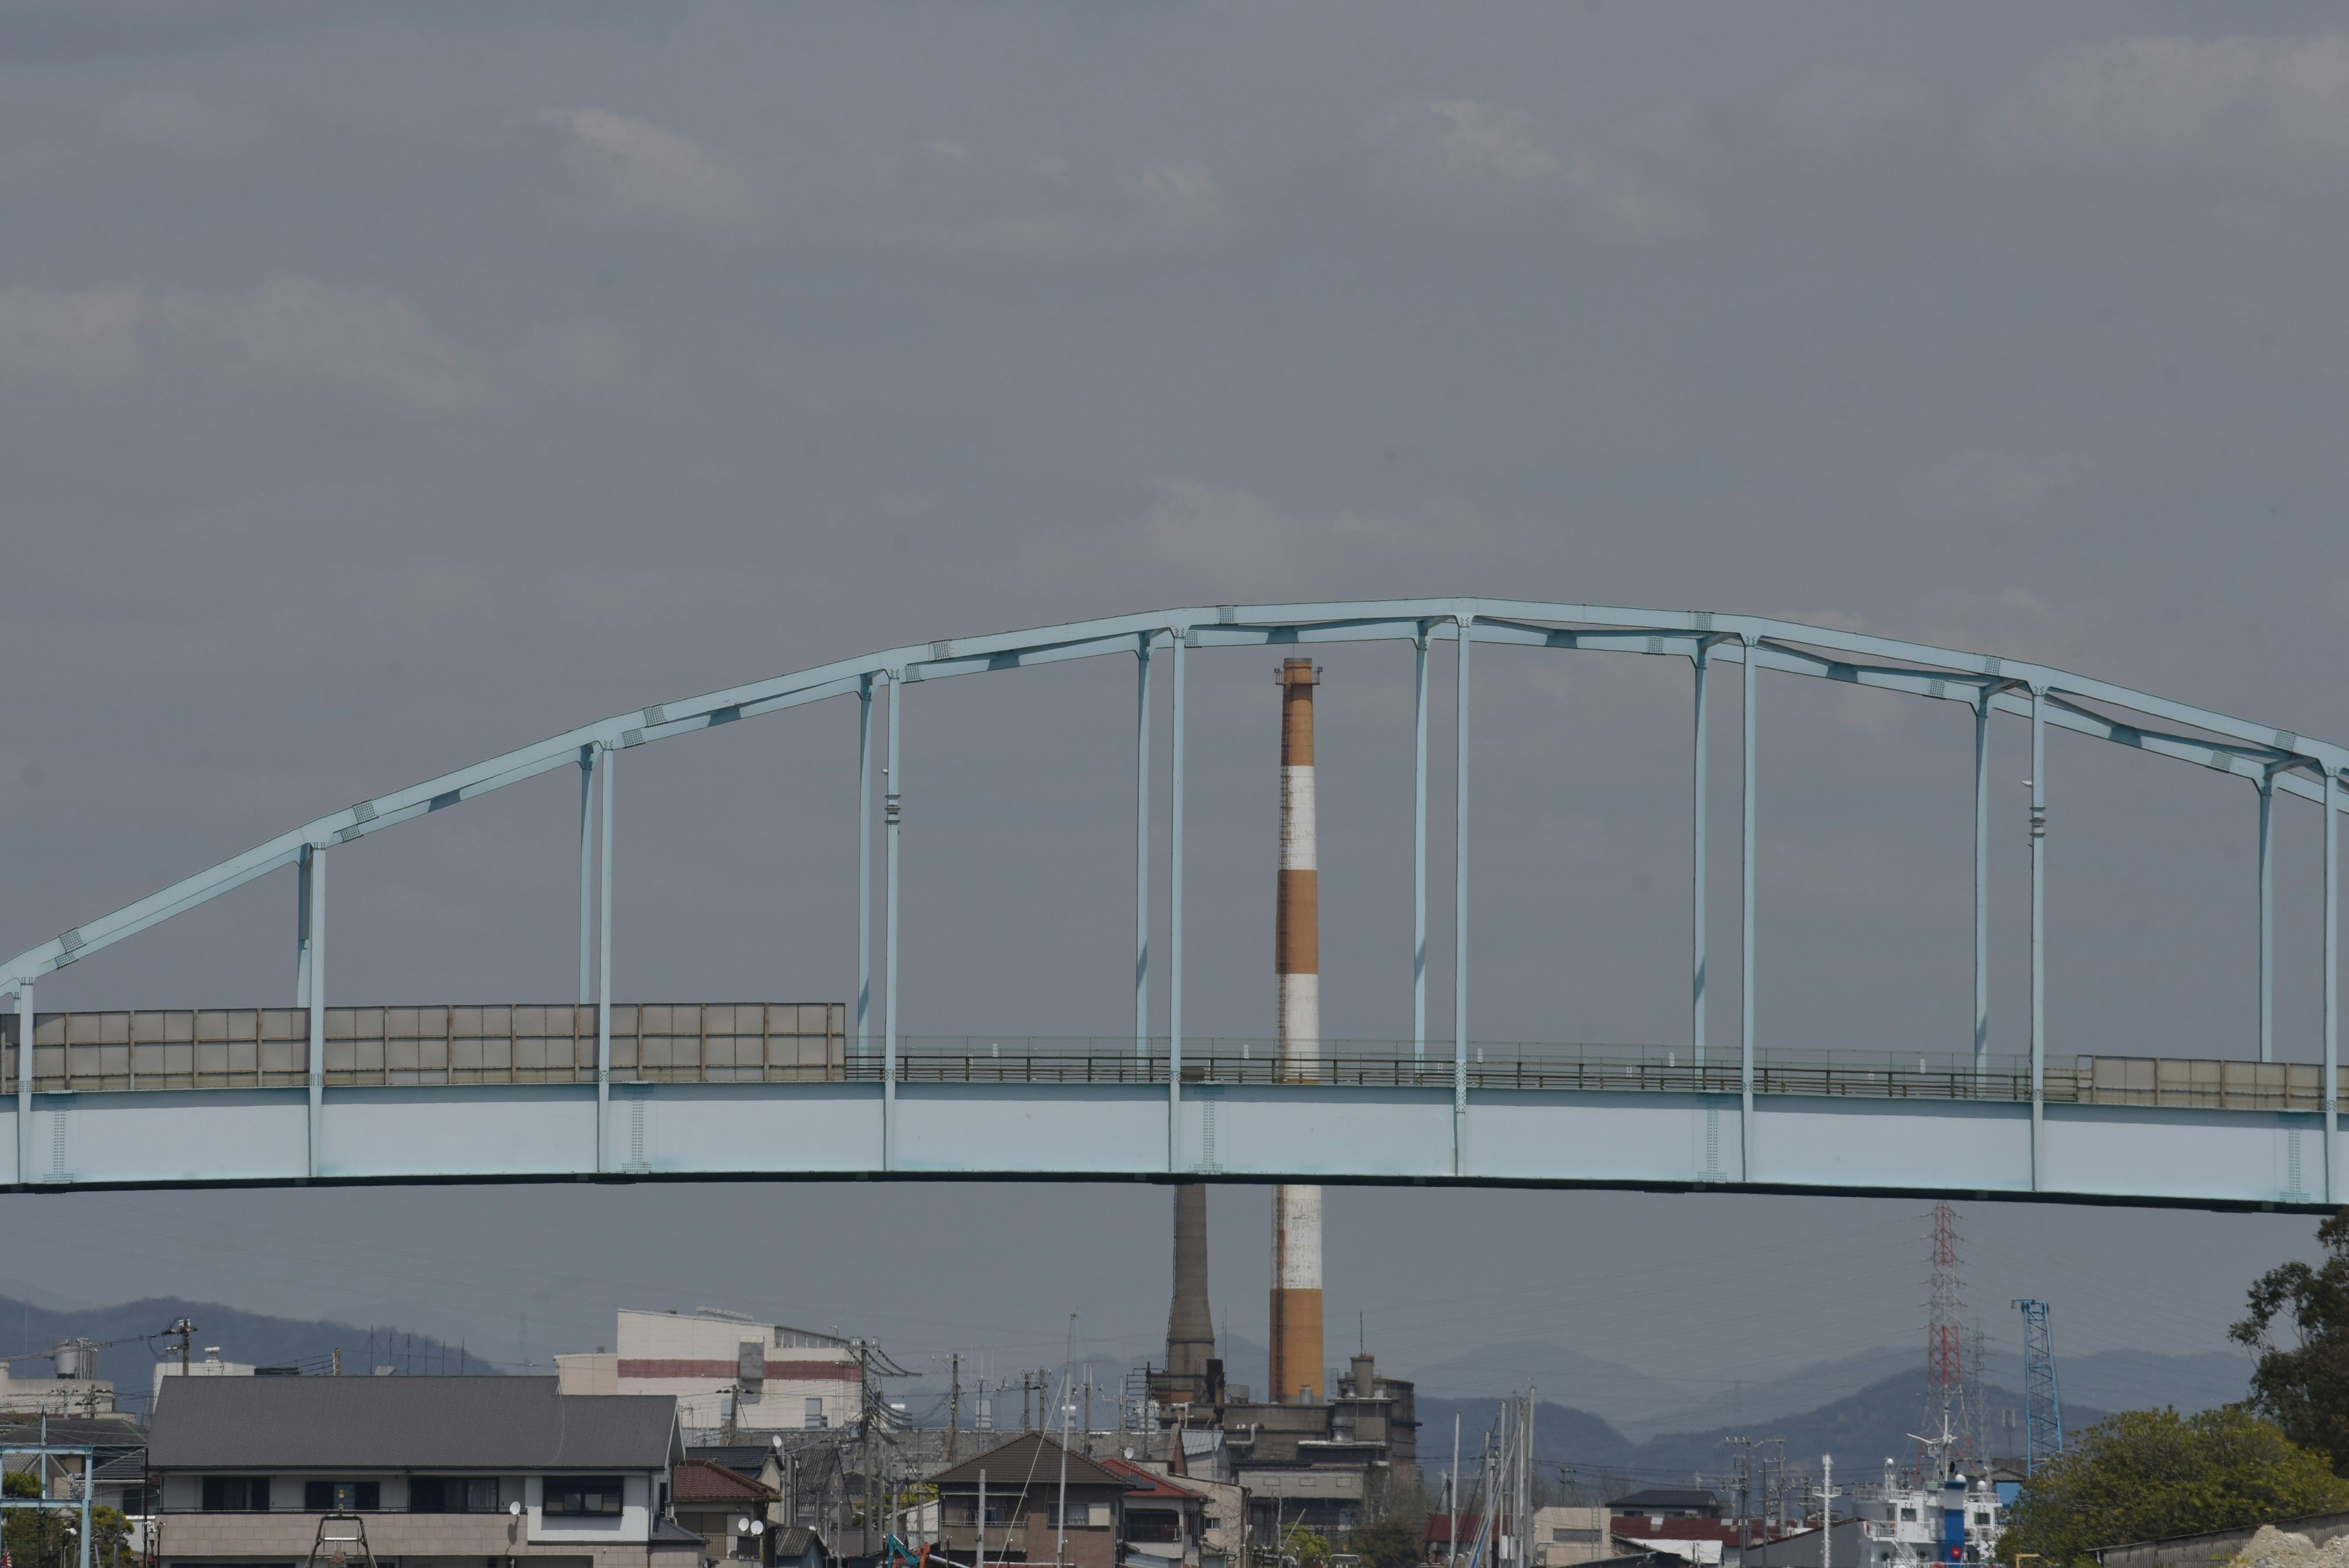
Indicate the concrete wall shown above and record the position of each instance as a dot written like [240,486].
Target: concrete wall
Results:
[2216,1545]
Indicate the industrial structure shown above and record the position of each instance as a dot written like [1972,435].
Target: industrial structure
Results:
[1296,1335]
[329,1092]
[2042,1408]
[729,1374]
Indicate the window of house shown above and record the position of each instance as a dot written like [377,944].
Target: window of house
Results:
[1079,1513]
[236,1494]
[583,1496]
[814,1419]
[1157,1525]
[452,1494]
[746,1548]
[341,1496]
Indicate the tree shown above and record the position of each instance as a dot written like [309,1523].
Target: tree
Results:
[2303,1387]
[1389,1543]
[2144,1475]
[43,1538]
[1304,1547]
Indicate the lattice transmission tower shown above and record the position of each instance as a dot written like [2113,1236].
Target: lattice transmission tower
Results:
[2043,1436]
[1946,1416]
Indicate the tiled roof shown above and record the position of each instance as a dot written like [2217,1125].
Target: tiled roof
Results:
[1145,1484]
[1030,1460]
[700,1480]
[1649,1527]
[406,1423]
[116,1433]
[1665,1499]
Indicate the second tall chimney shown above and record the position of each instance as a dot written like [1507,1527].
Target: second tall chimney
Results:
[1296,1338]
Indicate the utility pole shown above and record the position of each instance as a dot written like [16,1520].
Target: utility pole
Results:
[1060,1535]
[1452,1536]
[954,1408]
[185,1332]
[1826,1510]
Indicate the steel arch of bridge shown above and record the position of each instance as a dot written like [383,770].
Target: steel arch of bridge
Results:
[2273,761]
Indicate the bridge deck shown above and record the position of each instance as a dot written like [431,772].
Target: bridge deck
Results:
[786,1042]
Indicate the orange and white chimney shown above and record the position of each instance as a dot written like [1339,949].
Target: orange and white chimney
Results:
[1296,1338]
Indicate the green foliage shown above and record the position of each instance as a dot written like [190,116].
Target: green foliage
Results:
[2144,1474]
[1389,1543]
[43,1538]
[2303,1386]
[1305,1546]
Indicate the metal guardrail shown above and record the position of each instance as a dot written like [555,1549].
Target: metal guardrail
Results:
[717,1043]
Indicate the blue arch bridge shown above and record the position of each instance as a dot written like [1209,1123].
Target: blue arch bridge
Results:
[601,1089]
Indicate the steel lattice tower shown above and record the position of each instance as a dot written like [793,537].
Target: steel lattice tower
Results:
[1945,1350]
[2042,1409]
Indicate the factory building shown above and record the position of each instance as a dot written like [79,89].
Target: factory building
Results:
[728,1372]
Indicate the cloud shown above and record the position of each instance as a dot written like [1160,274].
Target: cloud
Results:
[2155,97]
[89,338]
[1180,196]
[361,338]
[1463,161]
[644,171]
[2014,622]
[1988,486]
[1244,545]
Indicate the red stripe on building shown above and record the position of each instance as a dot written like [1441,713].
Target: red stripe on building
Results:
[784,1371]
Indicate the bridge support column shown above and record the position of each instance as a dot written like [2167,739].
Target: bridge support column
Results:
[312,901]
[2038,933]
[603,972]
[2267,916]
[1981,884]
[892,815]
[586,874]
[2330,800]
[1460,903]
[1174,923]
[1141,848]
[1419,852]
[863,861]
[1703,659]
[1746,920]
[24,1083]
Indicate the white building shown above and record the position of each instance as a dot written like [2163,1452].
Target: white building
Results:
[723,1370]
[211,1365]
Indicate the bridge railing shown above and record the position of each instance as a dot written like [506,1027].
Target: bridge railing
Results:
[268,1047]
[782,1042]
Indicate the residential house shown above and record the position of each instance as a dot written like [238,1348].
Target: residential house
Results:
[1022,1517]
[730,1374]
[1437,1542]
[1565,1536]
[729,1511]
[440,1472]
[1166,1519]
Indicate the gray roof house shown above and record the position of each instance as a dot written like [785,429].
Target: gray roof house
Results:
[444,1472]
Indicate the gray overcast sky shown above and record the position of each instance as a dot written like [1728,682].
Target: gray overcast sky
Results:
[381,388]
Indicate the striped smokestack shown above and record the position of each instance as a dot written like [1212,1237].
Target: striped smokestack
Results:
[1296,1370]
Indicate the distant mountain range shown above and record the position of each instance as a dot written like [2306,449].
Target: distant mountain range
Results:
[1640,1406]
[131,1336]
[1862,1429]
